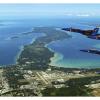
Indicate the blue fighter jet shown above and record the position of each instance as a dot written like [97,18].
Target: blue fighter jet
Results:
[93,34]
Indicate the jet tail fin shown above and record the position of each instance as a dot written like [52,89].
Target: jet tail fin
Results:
[95,31]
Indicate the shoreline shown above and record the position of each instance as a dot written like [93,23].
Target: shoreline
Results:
[18,54]
[57,56]
[22,49]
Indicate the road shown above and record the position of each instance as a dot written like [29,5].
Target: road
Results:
[42,78]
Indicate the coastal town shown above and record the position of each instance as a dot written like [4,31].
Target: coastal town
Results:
[33,75]
[34,82]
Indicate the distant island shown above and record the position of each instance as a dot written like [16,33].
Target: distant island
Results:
[14,37]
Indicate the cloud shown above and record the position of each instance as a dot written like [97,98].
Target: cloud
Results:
[83,15]
[79,14]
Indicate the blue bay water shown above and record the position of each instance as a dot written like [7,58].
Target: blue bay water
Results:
[71,54]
